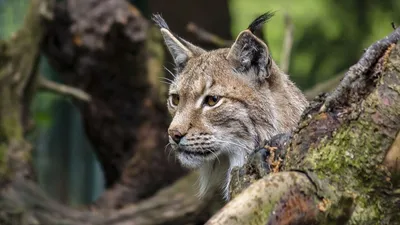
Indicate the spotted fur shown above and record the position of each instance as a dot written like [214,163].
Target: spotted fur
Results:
[256,101]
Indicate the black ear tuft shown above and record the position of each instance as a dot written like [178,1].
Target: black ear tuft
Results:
[259,22]
[160,22]
[180,49]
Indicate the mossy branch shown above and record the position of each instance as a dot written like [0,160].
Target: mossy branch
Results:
[19,59]
[347,154]
[267,197]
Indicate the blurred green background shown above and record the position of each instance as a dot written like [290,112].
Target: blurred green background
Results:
[329,36]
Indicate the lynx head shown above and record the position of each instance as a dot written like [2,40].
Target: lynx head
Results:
[225,102]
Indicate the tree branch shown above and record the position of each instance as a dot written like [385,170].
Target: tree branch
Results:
[323,87]
[257,202]
[356,72]
[172,205]
[107,50]
[346,154]
[19,59]
[208,37]
[287,44]
[62,89]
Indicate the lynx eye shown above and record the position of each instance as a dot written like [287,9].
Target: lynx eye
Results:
[211,100]
[174,99]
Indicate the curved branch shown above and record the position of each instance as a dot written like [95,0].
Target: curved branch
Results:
[323,87]
[172,205]
[357,73]
[62,89]
[271,200]
[342,149]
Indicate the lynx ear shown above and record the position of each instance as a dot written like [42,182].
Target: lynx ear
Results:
[180,49]
[249,52]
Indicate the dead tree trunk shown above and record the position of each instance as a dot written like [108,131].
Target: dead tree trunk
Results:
[342,164]
[107,49]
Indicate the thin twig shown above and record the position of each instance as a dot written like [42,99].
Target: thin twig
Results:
[206,36]
[48,85]
[324,86]
[287,44]
[359,71]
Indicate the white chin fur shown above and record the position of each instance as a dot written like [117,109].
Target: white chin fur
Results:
[190,161]
[215,168]
[194,161]
[216,173]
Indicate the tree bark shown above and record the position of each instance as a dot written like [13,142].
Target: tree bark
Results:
[19,59]
[341,164]
[107,49]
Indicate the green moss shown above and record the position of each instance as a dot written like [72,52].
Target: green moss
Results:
[351,169]
[3,162]
[351,160]
[9,122]
[17,59]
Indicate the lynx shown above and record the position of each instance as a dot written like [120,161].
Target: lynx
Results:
[225,102]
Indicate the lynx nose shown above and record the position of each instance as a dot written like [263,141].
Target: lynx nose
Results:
[176,135]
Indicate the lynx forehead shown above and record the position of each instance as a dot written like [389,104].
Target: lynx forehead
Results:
[225,102]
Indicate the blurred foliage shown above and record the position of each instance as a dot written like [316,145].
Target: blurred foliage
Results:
[11,16]
[329,35]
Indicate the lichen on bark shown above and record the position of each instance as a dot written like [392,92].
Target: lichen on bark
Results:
[342,144]
[19,57]
[350,156]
